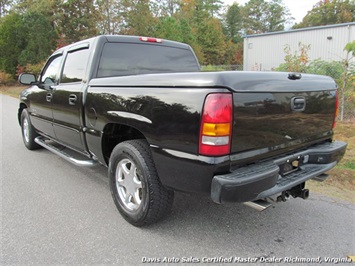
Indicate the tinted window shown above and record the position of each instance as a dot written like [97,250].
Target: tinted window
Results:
[75,65]
[122,59]
[49,75]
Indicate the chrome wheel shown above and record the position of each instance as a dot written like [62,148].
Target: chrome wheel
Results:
[135,186]
[129,185]
[29,134]
[26,130]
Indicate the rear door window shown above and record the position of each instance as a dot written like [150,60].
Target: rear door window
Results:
[75,66]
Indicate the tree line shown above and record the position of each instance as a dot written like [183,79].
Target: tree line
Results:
[31,29]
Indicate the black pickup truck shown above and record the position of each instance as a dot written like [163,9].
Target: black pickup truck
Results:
[141,107]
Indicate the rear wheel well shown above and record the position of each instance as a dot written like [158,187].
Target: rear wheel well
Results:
[114,134]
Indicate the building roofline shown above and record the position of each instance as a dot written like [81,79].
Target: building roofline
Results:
[303,29]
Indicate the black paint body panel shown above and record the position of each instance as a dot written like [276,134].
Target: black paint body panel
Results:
[166,109]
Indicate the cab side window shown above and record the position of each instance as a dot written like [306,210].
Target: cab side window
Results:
[75,66]
[50,74]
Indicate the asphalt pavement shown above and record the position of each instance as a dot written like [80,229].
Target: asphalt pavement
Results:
[52,212]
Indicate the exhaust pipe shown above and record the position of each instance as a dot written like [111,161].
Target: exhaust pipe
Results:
[297,192]
[259,205]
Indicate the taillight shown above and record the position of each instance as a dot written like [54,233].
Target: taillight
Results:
[149,39]
[216,125]
[336,112]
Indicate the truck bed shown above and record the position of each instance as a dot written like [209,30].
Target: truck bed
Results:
[264,121]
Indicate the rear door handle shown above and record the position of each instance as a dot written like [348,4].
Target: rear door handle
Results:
[72,99]
[49,97]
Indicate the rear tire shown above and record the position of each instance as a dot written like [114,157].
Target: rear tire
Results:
[28,132]
[135,186]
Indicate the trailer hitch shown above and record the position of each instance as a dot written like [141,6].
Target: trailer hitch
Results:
[296,192]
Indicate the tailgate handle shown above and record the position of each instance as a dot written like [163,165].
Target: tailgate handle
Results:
[298,104]
[294,76]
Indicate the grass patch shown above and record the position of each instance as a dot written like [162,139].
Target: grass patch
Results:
[346,132]
[341,181]
[335,191]
[350,165]
[13,91]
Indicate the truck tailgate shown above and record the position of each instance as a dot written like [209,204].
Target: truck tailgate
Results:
[276,114]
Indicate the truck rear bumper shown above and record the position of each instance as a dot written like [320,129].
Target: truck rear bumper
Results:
[265,179]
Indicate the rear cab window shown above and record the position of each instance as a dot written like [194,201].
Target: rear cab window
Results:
[124,59]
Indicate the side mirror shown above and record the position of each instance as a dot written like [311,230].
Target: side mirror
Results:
[27,79]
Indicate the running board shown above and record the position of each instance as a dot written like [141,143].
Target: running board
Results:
[258,205]
[64,155]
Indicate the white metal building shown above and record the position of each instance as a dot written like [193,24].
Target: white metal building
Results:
[264,52]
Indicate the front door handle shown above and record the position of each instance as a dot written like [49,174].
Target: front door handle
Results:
[49,97]
[72,99]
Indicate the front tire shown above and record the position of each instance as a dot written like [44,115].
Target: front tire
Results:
[28,132]
[135,186]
